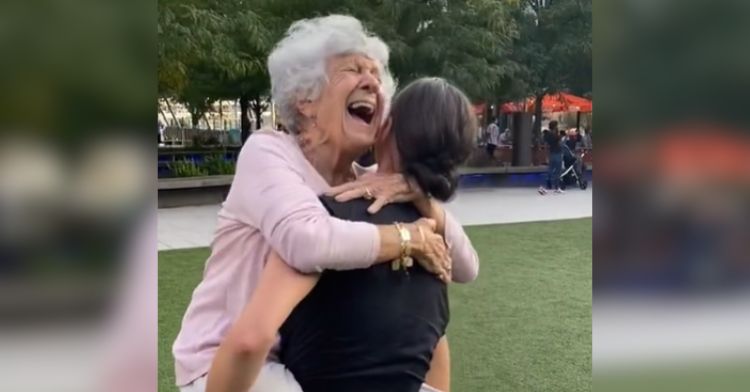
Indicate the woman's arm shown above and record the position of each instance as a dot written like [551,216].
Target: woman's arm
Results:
[244,350]
[270,192]
[462,252]
[388,188]
[439,375]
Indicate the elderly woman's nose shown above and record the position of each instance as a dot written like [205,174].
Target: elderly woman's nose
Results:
[369,82]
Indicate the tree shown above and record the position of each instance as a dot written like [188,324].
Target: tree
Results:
[242,73]
[224,44]
[553,50]
[197,94]
[466,42]
[212,50]
[185,35]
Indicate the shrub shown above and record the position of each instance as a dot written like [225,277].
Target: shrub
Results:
[187,168]
[217,165]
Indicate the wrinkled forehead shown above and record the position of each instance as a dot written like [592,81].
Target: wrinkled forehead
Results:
[356,59]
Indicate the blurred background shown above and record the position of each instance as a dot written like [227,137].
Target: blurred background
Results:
[77,244]
[671,272]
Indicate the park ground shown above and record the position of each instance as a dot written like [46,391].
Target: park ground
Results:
[523,325]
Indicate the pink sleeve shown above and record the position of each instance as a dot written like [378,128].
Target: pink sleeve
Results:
[270,192]
[465,259]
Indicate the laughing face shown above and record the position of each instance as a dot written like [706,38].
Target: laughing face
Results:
[350,106]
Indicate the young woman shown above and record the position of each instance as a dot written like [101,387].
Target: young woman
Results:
[371,329]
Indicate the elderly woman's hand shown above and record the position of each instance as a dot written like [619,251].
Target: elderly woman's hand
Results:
[383,188]
[429,249]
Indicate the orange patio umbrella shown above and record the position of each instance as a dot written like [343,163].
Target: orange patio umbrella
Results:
[512,107]
[552,103]
[561,102]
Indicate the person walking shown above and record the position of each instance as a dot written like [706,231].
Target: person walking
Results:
[552,139]
[493,138]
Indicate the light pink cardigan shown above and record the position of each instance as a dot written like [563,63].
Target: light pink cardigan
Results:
[273,203]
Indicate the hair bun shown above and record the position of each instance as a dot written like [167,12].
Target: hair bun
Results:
[436,178]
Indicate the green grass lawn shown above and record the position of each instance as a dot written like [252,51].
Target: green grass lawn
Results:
[524,325]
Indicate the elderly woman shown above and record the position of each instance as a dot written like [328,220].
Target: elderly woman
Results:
[329,80]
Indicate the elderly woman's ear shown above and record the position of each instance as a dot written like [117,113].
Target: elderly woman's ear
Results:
[308,108]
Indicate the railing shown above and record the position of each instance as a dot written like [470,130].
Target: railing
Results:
[185,137]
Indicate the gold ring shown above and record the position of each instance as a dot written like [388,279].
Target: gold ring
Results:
[368,194]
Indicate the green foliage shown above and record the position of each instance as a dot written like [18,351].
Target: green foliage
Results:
[213,165]
[187,168]
[464,41]
[223,39]
[492,49]
[553,49]
[217,49]
[216,165]
[211,50]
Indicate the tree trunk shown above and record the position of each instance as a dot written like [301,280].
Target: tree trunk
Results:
[221,115]
[163,115]
[536,130]
[257,106]
[244,119]
[208,124]
[195,119]
[169,107]
[522,139]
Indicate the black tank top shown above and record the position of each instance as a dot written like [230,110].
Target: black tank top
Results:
[366,330]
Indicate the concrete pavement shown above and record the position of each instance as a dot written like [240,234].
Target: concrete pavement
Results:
[191,227]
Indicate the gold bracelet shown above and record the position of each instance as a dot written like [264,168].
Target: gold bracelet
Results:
[396,263]
[405,260]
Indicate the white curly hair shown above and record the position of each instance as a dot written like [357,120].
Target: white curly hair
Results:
[297,65]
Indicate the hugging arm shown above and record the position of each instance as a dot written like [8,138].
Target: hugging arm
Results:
[395,188]
[243,352]
[462,252]
[274,196]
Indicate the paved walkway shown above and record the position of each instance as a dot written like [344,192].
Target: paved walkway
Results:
[650,333]
[190,227]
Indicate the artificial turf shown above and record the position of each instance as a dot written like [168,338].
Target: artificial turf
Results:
[523,325]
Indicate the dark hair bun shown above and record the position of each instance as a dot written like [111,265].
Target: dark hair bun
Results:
[436,179]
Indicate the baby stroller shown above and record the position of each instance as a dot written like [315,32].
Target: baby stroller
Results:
[572,169]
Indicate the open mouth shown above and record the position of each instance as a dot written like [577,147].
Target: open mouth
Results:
[362,110]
